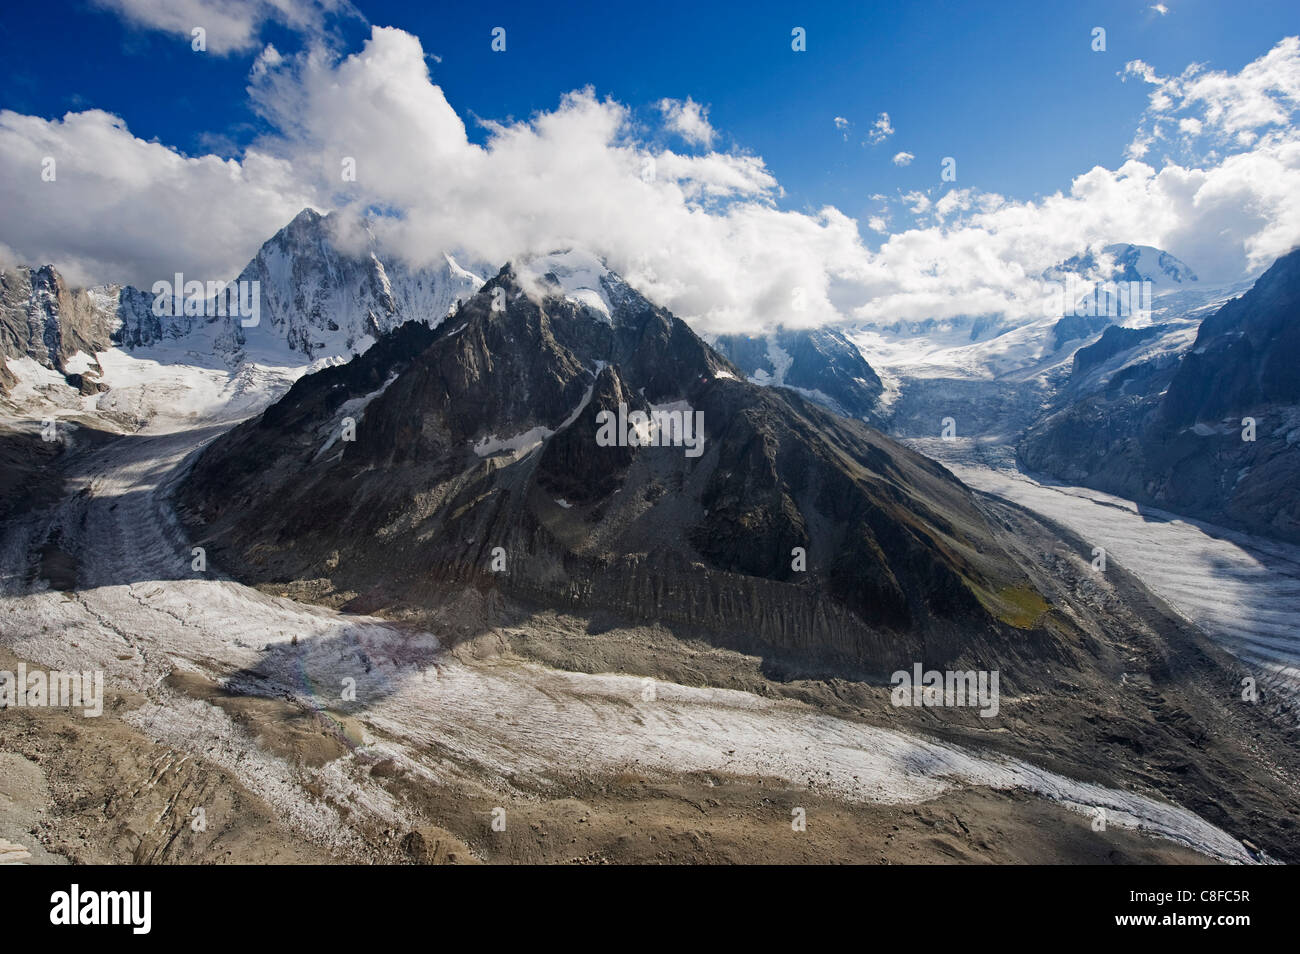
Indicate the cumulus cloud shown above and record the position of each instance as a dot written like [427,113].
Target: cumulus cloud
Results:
[119,208]
[881,130]
[903,159]
[843,125]
[688,119]
[702,234]
[231,26]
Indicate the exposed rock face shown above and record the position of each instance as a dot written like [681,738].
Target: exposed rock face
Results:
[42,319]
[1245,354]
[1175,435]
[481,434]
[820,363]
[573,466]
[1074,327]
[1113,340]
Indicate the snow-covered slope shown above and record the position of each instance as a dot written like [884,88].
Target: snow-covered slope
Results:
[822,364]
[581,276]
[322,300]
[436,714]
[1209,431]
[1129,263]
[995,376]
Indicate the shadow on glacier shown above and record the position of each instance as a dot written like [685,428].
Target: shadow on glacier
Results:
[354,667]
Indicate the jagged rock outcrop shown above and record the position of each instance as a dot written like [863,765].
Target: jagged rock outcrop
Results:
[317,294]
[43,319]
[322,293]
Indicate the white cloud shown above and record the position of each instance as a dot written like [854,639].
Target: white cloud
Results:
[689,119]
[701,234]
[918,202]
[122,209]
[903,159]
[880,130]
[1230,107]
[231,26]
[571,175]
[843,125]
[1160,8]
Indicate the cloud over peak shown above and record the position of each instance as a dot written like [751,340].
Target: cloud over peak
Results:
[700,232]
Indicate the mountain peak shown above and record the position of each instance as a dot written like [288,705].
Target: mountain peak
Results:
[490,436]
[322,296]
[1127,262]
[575,274]
[308,216]
[1147,263]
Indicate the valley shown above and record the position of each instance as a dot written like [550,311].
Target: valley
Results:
[241,686]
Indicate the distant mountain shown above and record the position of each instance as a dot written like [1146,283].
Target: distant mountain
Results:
[319,297]
[997,376]
[1132,263]
[820,363]
[316,298]
[1169,431]
[483,433]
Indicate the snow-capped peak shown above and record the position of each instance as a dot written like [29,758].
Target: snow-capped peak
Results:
[1123,262]
[582,277]
[1146,263]
[320,296]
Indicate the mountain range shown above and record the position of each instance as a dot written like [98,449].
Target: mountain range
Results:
[1081,396]
[547,472]
[482,434]
[1210,433]
[319,295]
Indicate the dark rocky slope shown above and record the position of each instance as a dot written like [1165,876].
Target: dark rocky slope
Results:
[481,434]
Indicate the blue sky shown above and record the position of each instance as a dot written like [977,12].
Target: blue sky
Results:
[1040,125]
[1012,90]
